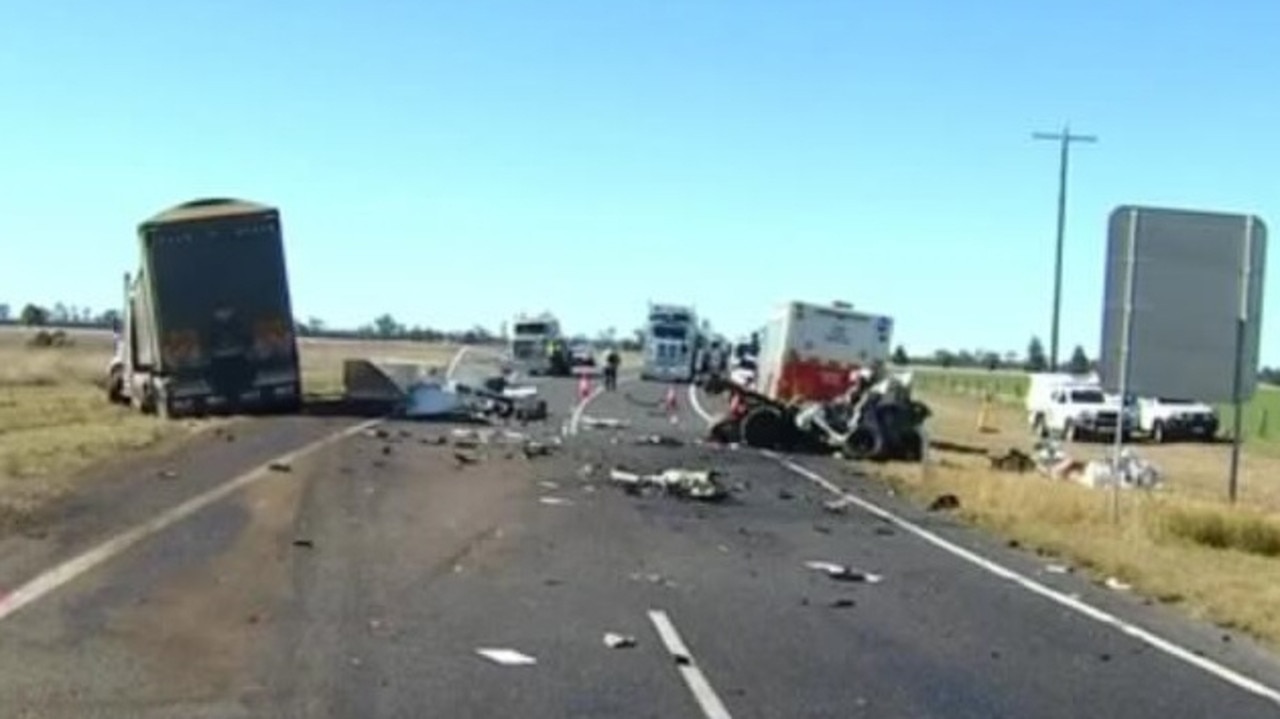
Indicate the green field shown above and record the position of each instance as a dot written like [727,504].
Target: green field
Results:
[1010,386]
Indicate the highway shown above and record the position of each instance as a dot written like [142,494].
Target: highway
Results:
[368,574]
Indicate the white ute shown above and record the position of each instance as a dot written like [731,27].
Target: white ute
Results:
[1074,408]
[1166,418]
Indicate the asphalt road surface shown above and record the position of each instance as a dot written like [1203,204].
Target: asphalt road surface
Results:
[366,576]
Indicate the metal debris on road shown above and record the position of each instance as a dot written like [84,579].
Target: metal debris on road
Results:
[842,603]
[534,448]
[619,641]
[659,440]
[1057,569]
[548,484]
[1015,460]
[280,467]
[604,422]
[701,485]
[836,506]
[785,494]
[304,543]
[944,503]
[844,573]
[463,460]
[506,657]
[167,474]
[555,501]
[434,440]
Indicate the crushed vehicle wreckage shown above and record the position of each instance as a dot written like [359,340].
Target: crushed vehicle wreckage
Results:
[880,422]
[413,390]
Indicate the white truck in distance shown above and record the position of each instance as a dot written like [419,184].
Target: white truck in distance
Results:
[1166,418]
[1074,407]
[531,336]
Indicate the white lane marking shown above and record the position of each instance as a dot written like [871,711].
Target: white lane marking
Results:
[698,409]
[458,355]
[1224,673]
[69,570]
[575,417]
[697,682]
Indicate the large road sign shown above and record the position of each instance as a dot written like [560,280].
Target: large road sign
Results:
[1183,307]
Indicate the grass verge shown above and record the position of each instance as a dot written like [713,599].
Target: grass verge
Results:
[1181,545]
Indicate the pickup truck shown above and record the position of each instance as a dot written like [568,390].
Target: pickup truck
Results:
[1166,418]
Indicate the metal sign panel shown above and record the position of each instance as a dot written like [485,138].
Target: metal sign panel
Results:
[1196,294]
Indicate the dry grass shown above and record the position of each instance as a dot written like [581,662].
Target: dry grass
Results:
[55,420]
[1180,545]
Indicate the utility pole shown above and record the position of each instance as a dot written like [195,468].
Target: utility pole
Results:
[1064,138]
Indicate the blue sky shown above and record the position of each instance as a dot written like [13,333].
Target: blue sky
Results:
[456,162]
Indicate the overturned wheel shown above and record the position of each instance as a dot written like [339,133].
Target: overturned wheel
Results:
[764,427]
[864,443]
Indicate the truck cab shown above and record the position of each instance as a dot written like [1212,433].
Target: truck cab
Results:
[532,337]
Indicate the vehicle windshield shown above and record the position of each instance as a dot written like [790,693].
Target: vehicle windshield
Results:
[524,349]
[531,328]
[1088,396]
[669,331]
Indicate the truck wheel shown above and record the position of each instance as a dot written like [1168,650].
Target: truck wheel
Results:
[763,427]
[726,431]
[1157,432]
[864,443]
[115,388]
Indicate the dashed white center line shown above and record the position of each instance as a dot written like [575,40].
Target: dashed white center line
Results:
[706,697]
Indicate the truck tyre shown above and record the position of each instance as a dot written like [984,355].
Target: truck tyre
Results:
[764,428]
[115,387]
[865,442]
[1070,432]
[726,431]
[1157,432]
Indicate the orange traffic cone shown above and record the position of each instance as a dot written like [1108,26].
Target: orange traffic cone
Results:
[669,403]
[584,387]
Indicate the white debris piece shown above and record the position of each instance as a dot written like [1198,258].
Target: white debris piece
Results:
[844,573]
[619,641]
[691,483]
[1132,471]
[555,501]
[508,657]
[604,422]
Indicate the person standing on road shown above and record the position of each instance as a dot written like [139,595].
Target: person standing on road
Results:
[611,362]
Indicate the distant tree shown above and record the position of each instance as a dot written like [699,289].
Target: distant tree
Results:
[386,326]
[944,358]
[34,316]
[1079,362]
[990,360]
[900,356]
[1036,359]
[965,358]
[108,318]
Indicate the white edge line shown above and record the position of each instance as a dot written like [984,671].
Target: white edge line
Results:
[697,405]
[697,682]
[1220,671]
[575,417]
[61,574]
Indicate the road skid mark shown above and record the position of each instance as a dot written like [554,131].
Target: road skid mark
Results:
[62,574]
[1226,674]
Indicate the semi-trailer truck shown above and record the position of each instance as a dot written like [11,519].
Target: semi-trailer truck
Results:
[208,322]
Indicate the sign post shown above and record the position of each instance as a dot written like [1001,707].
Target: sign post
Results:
[1182,311]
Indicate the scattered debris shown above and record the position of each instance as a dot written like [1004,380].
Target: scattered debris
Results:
[842,603]
[548,484]
[552,582]
[604,422]
[532,449]
[884,531]
[844,573]
[434,440]
[1015,460]
[167,474]
[1057,569]
[660,440]
[280,466]
[701,485]
[619,641]
[386,449]
[1133,472]
[507,657]
[785,494]
[304,543]
[944,502]
[587,471]
[821,529]
[464,459]
[1117,584]
[836,506]
[555,501]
